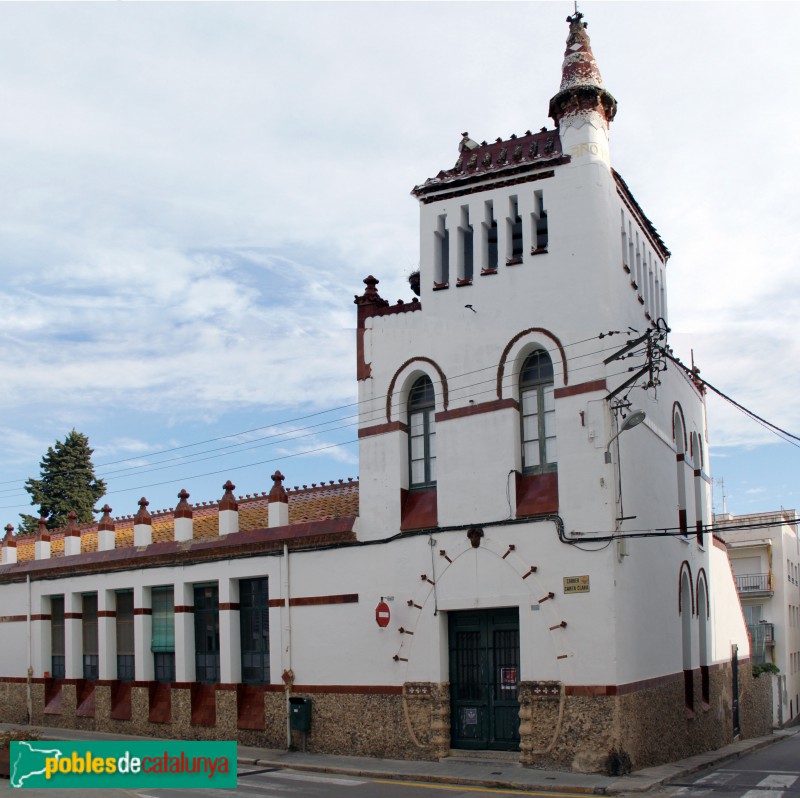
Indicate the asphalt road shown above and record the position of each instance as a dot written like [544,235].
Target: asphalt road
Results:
[773,772]
[279,783]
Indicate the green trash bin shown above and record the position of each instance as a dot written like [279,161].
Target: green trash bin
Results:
[300,714]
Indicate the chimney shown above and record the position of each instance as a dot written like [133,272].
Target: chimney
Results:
[184,525]
[142,525]
[106,531]
[41,548]
[278,502]
[228,511]
[9,547]
[72,536]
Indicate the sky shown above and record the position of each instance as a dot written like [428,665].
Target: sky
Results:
[192,193]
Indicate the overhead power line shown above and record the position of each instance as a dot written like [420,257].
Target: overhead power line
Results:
[292,434]
[782,433]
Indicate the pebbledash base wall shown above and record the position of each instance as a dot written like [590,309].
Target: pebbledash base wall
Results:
[639,726]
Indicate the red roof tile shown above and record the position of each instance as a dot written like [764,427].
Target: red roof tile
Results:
[323,503]
[499,159]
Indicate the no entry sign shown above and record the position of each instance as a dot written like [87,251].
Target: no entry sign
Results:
[382,614]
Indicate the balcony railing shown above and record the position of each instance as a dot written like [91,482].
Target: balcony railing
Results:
[762,636]
[754,583]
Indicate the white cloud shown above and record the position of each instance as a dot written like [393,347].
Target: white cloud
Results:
[194,192]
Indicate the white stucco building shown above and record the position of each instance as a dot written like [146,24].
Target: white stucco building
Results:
[526,561]
[765,556]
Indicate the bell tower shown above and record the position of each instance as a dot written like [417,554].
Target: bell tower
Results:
[531,245]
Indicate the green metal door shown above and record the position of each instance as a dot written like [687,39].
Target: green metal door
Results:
[484,679]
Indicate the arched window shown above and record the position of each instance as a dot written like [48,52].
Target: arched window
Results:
[702,618]
[680,449]
[686,637]
[538,414]
[421,434]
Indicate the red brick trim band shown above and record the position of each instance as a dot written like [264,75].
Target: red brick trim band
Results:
[183,608]
[632,687]
[463,192]
[143,611]
[42,617]
[182,685]
[583,387]
[223,686]
[106,613]
[230,605]
[342,689]
[13,618]
[434,364]
[242,544]
[474,410]
[315,601]
[517,337]
[309,601]
[75,616]
[719,544]
[382,429]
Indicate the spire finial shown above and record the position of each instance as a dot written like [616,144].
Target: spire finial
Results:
[143,516]
[582,90]
[228,500]
[278,493]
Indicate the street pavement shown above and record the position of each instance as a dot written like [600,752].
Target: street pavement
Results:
[486,770]
[772,772]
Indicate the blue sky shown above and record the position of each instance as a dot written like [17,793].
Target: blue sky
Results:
[192,194]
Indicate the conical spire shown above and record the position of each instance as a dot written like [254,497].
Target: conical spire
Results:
[579,67]
[582,90]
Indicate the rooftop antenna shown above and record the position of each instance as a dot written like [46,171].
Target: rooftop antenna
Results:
[721,482]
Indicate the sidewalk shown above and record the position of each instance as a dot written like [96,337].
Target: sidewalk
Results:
[484,770]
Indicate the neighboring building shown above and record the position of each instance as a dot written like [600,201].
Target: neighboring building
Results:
[488,590]
[765,557]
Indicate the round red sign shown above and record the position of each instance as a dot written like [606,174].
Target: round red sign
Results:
[382,614]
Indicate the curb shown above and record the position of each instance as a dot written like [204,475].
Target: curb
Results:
[642,782]
[425,777]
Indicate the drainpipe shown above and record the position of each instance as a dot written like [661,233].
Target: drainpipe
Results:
[28,695]
[288,675]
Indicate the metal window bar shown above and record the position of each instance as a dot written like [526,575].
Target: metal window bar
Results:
[90,667]
[125,667]
[254,626]
[164,663]
[58,667]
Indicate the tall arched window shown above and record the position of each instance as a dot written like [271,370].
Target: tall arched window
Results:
[421,434]
[686,638]
[538,414]
[680,457]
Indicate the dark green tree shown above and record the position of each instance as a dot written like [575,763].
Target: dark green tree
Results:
[67,483]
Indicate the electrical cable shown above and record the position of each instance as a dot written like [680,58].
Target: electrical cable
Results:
[455,389]
[151,468]
[774,428]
